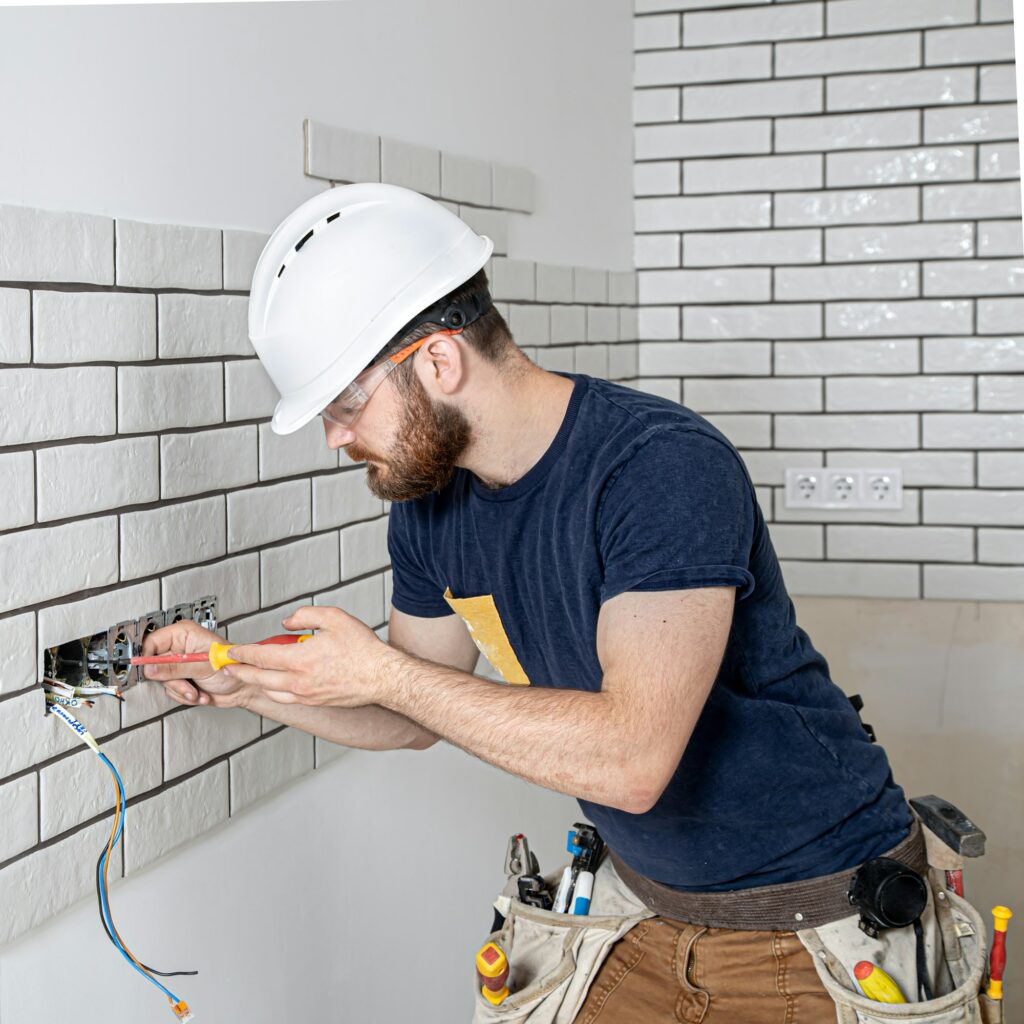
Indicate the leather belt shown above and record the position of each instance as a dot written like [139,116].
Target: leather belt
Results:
[808,903]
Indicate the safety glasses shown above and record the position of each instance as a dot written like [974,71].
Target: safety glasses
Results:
[346,407]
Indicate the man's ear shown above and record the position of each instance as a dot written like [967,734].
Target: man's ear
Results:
[443,362]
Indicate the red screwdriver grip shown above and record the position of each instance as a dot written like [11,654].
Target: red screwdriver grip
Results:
[284,638]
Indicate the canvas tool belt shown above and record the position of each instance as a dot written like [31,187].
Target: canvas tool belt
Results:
[555,957]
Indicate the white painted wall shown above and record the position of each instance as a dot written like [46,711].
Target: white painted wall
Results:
[192,113]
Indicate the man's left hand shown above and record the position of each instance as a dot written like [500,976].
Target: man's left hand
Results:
[342,665]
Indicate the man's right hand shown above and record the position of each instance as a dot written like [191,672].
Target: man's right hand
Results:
[192,683]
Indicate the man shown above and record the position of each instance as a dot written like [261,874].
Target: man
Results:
[606,551]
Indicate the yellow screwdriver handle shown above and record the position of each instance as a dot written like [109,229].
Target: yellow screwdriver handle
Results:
[219,652]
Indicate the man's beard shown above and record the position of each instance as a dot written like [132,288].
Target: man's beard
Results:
[431,437]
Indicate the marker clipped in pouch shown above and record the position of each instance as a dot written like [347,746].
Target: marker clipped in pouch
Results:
[562,893]
[583,892]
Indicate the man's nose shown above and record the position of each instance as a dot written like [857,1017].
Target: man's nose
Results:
[337,435]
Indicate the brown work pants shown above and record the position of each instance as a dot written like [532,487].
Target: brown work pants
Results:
[669,972]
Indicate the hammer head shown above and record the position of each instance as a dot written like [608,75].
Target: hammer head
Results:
[951,825]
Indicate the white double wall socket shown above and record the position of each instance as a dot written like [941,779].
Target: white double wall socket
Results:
[833,487]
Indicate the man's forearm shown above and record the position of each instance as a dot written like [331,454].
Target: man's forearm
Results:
[571,741]
[369,728]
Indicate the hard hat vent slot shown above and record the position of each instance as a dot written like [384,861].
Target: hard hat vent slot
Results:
[303,240]
[334,216]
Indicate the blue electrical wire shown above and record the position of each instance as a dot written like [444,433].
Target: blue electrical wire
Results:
[104,906]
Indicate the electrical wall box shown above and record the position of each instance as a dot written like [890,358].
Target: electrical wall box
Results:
[104,658]
[831,487]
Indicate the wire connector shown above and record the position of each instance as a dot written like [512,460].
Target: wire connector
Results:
[181,1011]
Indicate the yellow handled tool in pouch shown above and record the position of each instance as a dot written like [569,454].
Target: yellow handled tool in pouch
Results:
[218,653]
[492,969]
[876,984]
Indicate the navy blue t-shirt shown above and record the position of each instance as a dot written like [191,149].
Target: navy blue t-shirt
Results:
[778,781]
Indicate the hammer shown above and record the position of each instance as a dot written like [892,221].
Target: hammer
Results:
[955,829]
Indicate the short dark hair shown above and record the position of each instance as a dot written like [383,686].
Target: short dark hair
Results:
[489,335]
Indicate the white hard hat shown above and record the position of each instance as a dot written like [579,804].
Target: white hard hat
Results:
[340,277]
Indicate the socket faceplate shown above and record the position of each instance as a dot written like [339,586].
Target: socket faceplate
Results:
[833,487]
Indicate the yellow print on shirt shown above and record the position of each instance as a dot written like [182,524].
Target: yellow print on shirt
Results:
[480,614]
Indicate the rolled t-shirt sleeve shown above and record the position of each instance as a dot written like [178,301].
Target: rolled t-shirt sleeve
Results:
[679,512]
[412,591]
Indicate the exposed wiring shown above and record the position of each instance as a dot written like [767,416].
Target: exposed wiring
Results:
[179,1006]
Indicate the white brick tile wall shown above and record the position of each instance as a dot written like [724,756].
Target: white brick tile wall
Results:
[622,287]
[834,358]
[1001,546]
[656,33]
[342,498]
[556,359]
[900,166]
[722,64]
[920,469]
[210,460]
[269,765]
[17,652]
[15,333]
[592,360]
[694,214]
[40,886]
[908,515]
[296,568]
[44,245]
[37,565]
[249,393]
[974,583]
[1000,469]
[194,326]
[29,396]
[971,124]
[999,160]
[744,430]
[160,397]
[338,154]
[762,99]
[235,581]
[20,814]
[135,754]
[875,394]
[364,548]
[713,286]
[657,178]
[770,467]
[855,281]
[997,82]
[514,188]
[665,387]
[901,543]
[962,355]
[706,359]
[79,479]
[364,599]
[834,56]
[851,579]
[721,322]
[168,256]
[568,324]
[898,242]
[1000,316]
[750,174]
[589,284]
[659,141]
[303,451]
[800,21]
[512,279]
[846,17]
[996,10]
[554,283]
[1002,392]
[956,202]
[974,277]
[877,319]
[262,515]
[622,362]
[194,736]
[177,814]
[159,539]
[93,327]
[968,45]
[792,540]
[28,737]
[978,430]
[530,325]
[854,206]
[465,180]
[241,251]
[654,106]
[847,131]
[492,223]
[972,508]
[658,250]
[1000,238]
[602,323]
[411,166]
[762,395]
[748,247]
[845,431]
[17,484]
[900,88]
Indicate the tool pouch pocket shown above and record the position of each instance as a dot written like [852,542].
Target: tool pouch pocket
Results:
[955,951]
[554,957]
